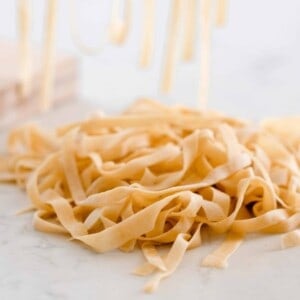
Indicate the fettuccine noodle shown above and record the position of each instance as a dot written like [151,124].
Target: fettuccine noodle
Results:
[159,175]
[49,56]
[24,12]
[222,6]
[119,27]
[172,46]
[205,54]
[190,24]
[148,33]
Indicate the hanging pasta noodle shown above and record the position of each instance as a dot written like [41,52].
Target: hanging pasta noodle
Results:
[190,22]
[85,49]
[205,54]
[222,6]
[119,27]
[24,17]
[48,64]
[172,46]
[148,33]
[154,176]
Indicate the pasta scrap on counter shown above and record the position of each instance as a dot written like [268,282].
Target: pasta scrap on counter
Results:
[158,175]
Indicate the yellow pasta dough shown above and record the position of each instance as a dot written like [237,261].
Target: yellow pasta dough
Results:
[158,175]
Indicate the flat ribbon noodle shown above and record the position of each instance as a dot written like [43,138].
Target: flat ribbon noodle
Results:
[155,175]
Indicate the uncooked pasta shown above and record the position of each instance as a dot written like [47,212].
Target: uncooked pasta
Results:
[24,14]
[158,175]
[48,56]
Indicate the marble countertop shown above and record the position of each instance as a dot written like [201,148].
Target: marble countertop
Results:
[36,265]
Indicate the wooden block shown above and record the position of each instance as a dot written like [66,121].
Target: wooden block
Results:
[12,106]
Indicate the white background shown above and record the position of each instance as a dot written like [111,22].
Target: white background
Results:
[256,59]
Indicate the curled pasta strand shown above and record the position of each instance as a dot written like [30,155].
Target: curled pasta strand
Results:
[129,182]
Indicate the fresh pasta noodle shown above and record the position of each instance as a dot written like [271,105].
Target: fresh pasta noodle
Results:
[190,19]
[128,181]
[205,54]
[181,36]
[148,33]
[48,55]
[220,256]
[221,12]
[74,29]
[24,11]
[119,27]
[172,46]
[291,239]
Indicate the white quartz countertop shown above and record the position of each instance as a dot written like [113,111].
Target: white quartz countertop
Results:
[35,265]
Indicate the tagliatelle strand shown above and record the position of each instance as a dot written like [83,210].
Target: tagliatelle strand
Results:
[291,239]
[218,259]
[190,24]
[119,27]
[222,7]
[49,56]
[24,16]
[156,175]
[205,54]
[172,46]
[74,30]
[148,33]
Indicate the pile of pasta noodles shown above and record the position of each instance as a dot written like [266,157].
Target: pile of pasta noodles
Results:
[158,175]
